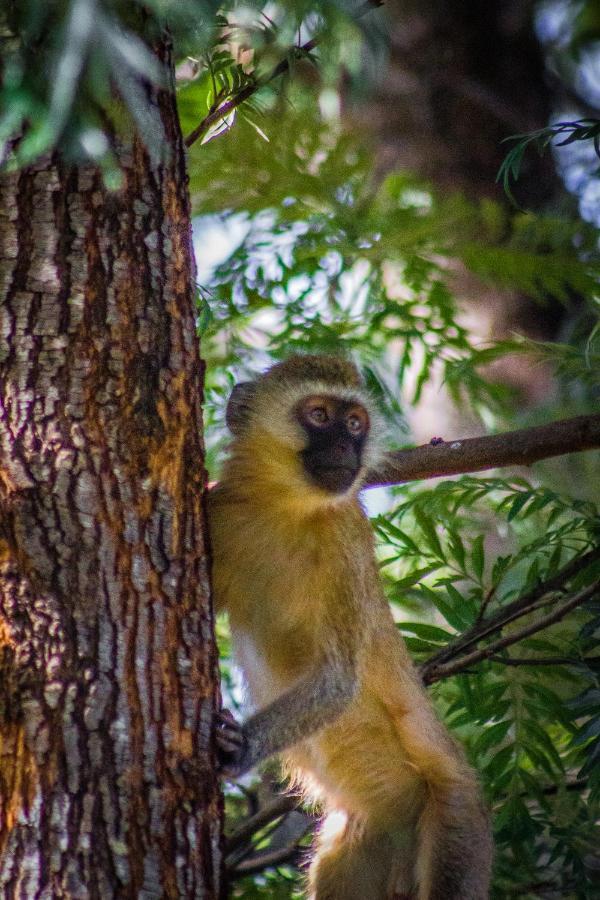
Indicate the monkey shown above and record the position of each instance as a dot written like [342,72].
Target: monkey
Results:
[335,691]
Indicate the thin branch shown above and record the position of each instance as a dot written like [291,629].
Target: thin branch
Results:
[515,610]
[220,111]
[546,661]
[435,673]
[580,784]
[486,602]
[279,807]
[513,448]
[267,860]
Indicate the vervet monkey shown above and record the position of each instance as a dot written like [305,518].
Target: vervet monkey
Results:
[324,664]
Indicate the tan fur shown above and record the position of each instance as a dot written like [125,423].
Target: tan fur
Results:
[294,566]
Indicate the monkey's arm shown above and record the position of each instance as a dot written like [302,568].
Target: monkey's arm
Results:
[305,708]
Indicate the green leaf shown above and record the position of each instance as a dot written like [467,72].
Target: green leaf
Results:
[492,735]
[402,584]
[457,547]
[398,534]
[425,631]
[478,556]
[544,741]
[452,614]
[539,759]
[517,505]
[417,645]
[591,729]
[427,528]
[500,761]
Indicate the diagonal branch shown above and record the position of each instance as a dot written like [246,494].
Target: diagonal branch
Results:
[221,109]
[515,610]
[513,448]
[267,860]
[547,661]
[437,672]
[269,813]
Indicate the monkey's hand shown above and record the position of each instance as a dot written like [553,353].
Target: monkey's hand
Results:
[232,745]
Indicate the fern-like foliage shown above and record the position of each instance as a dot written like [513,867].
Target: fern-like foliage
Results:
[457,555]
[75,74]
[327,256]
[558,134]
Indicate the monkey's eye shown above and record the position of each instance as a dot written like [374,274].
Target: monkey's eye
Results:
[317,415]
[356,424]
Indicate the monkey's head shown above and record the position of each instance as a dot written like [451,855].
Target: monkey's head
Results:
[310,423]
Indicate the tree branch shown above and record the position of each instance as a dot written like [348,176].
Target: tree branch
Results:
[513,448]
[546,661]
[266,860]
[279,807]
[580,784]
[221,109]
[437,672]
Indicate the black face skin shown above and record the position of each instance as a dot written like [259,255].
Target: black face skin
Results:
[336,430]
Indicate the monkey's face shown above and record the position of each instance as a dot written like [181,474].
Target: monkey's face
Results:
[336,431]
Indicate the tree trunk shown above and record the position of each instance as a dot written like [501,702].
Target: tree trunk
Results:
[107,661]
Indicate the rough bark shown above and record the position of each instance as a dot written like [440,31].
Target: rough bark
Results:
[107,662]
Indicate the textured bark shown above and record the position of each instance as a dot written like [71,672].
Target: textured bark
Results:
[107,661]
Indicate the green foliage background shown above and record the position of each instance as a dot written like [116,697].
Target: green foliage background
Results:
[330,257]
[325,246]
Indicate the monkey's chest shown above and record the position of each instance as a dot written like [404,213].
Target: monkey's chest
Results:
[278,593]
[276,633]
[272,663]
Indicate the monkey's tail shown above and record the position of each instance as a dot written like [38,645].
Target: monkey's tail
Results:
[447,856]
[361,862]
[454,859]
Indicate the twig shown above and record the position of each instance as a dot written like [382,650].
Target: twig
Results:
[435,673]
[266,860]
[513,448]
[486,602]
[221,110]
[279,807]
[524,605]
[547,661]
[578,785]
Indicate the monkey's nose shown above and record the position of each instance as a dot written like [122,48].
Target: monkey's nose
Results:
[341,448]
[344,454]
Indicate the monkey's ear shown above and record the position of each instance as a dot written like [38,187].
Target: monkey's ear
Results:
[239,405]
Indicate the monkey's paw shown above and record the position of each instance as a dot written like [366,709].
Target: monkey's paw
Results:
[232,745]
